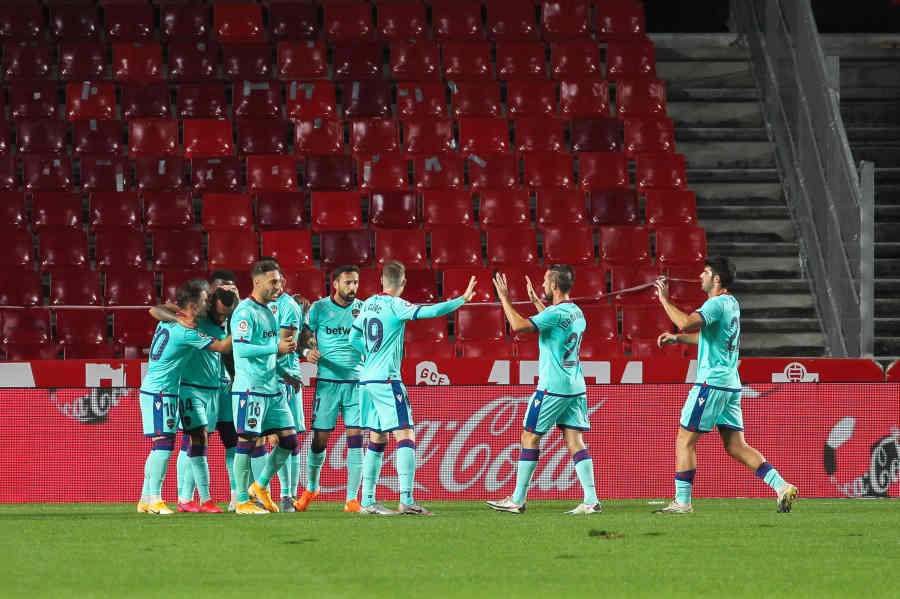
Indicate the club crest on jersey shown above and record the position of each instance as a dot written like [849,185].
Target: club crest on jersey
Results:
[355,313]
[202,335]
[251,422]
[274,309]
[243,326]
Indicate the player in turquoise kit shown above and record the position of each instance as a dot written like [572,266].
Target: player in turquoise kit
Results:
[172,347]
[560,398]
[257,399]
[715,399]
[377,333]
[326,343]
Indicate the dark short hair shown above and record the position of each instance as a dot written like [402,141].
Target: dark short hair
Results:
[262,267]
[190,292]
[271,259]
[342,269]
[222,275]
[724,268]
[564,276]
[393,272]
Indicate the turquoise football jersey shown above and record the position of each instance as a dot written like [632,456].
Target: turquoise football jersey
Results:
[378,332]
[561,329]
[204,369]
[171,348]
[720,342]
[331,324]
[254,332]
[289,315]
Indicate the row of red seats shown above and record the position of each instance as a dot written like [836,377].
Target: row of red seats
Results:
[337,210]
[340,22]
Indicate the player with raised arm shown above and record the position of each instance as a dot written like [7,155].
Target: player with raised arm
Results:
[325,339]
[377,334]
[172,346]
[715,399]
[257,401]
[561,397]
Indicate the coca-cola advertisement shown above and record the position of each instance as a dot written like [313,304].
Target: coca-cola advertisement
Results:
[829,439]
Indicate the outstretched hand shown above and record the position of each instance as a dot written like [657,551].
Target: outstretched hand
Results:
[530,289]
[666,339]
[662,290]
[501,286]
[470,290]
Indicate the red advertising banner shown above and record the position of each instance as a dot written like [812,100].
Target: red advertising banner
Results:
[830,439]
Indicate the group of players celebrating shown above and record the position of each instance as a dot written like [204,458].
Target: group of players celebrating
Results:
[191,385]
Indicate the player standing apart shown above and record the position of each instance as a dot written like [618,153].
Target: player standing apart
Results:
[560,398]
[326,341]
[715,399]
[377,333]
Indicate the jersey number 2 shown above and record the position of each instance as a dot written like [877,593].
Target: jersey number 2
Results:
[573,345]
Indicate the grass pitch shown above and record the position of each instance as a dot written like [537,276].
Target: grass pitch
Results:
[728,548]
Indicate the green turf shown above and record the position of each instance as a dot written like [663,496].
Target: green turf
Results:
[728,548]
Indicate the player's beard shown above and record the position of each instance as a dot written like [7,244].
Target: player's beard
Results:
[347,297]
[547,298]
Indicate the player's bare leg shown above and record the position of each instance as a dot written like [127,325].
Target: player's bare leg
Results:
[528,458]
[736,446]
[584,468]
[371,472]
[685,467]
[406,471]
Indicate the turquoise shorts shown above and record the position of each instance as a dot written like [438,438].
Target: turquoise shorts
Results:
[197,406]
[333,397]
[159,413]
[294,402]
[225,413]
[384,406]
[547,409]
[708,407]
[260,413]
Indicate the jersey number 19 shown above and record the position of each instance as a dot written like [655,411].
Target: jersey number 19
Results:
[373,331]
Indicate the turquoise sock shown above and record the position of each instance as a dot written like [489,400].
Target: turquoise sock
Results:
[200,468]
[275,461]
[406,470]
[684,482]
[354,466]
[242,469]
[184,476]
[584,468]
[284,477]
[293,466]
[528,459]
[314,463]
[155,470]
[229,465]
[770,476]
[371,470]
[258,458]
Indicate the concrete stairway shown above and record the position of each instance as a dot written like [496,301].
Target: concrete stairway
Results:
[713,100]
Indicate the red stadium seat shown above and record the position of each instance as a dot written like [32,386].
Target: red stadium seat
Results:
[402,21]
[22,22]
[504,208]
[28,351]
[308,283]
[120,249]
[521,60]
[662,170]
[260,100]
[498,171]
[24,327]
[511,246]
[421,285]
[294,21]
[627,276]
[227,212]
[238,22]
[184,22]
[24,62]
[63,249]
[201,101]
[369,283]
[193,61]
[540,134]
[602,170]
[614,207]
[218,175]
[5,146]
[642,97]
[345,247]
[671,208]
[427,330]
[575,59]
[21,288]
[56,210]
[584,97]
[602,321]
[41,136]
[137,63]
[145,101]
[455,247]
[262,136]
[644,322]
[128,23]
[13,211]
[511,20]
[566,19]
[271,173]
[302,60]
[16,248]
[133,332]
[152,137]
[446,208]
[75,288]
[421,99]
[311,100]
[373,136]
[42,172]
[530,98]
[280,210]
[246,62]
[168,210]
[177,249]
[480,323]
[84,61]
[319,136]
[329,172]
[527,347]
[456,280]
[687,293]
[571,245]
[405,246]
[456,20]
[427,350]
[624,245]
[207,138]
[681,246]
[599,134]
[467,60]
[648,348]
[600,350]
[32,100]
[90,100]
[367,99]
[131,288]
[335,210]
[237,250]
[173,279]
[159,173]
[105,173]
[483,135]
[614,19]
[439,171]
[393,210]
[495,350]
[515,277]
[475,98]
[74,22]
[351,22]
[97,137]
[559,208]
[292,249]
[650,135]
[428,135]
[414,60]
[383,171]
[9,177]
[550,169]
[590,281]
[358,61]
[632,58]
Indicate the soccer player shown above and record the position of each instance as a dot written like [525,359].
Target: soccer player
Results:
[170,351]
[560,397]
[377,334]
[257,400]
[325,340]
[715,399]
